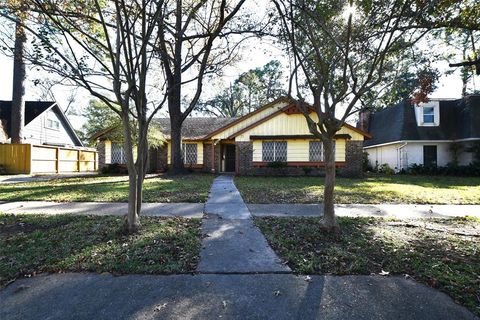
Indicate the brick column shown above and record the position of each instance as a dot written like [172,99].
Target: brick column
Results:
[101,154]
[244,154]
[353,159]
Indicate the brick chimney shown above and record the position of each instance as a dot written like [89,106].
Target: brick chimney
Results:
[364,120]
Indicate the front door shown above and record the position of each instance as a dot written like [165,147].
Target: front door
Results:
[430,156]
[230,158]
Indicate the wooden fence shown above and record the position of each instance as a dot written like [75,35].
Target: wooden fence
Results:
[32,159]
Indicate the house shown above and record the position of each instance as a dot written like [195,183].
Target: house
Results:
[45,124]
[272,139]
[49,144]
[431,134]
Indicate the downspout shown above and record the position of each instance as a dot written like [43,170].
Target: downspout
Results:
[399,160]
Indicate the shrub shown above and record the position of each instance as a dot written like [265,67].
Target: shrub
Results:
[385,169]
[277,164]
[307,170]
[451,169]
[115,168]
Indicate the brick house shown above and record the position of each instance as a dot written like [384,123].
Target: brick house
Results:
[273,139]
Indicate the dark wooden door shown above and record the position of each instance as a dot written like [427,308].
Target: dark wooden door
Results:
[230,158]
[430,156]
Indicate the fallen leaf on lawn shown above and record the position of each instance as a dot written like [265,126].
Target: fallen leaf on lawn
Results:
[384,273]
[308,278]
[224,303]
[277,293]
[160,307]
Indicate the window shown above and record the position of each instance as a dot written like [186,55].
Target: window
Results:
[274,151]
[428,115]
[189,152]
[53,124]
[315,151]
[118,156]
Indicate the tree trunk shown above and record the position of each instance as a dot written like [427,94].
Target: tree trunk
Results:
[19,77]
[132,221]
[329,220]
[175,133]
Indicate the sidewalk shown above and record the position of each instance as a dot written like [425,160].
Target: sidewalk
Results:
[186,210]
[400,211]
[232,243]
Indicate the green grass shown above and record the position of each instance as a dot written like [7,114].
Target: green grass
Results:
[372,189]
[442,253]
[185,188]
[31,244]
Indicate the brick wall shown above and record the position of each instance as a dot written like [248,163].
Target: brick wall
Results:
[353,159]
[244,154]
[101,154]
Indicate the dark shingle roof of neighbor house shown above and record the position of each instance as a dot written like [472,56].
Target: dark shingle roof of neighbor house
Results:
[459,119]
[194,127]
[33,109]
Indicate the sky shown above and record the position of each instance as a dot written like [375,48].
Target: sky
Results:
[255,53]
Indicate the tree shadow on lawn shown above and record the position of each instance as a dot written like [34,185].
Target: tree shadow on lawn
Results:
[441,259]
[85,243]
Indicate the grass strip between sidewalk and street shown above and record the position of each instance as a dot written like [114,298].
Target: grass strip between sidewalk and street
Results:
[442,253]
[31,244]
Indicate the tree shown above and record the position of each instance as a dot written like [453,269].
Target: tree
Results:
[248,92]
[99,117]
[339,50]
[19,71]
[106,47]
[193,41]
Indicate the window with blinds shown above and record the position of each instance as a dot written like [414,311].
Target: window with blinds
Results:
[274,151]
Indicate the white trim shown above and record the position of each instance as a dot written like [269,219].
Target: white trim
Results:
[411,141]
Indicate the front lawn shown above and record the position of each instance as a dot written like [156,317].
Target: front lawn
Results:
[31,244]
[442,253]
[185,188]
[373,189]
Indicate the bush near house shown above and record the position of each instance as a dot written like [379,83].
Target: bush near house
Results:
[452,169]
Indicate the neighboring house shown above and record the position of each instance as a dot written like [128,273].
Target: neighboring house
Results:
[45,124]
[275,135]
[427,134]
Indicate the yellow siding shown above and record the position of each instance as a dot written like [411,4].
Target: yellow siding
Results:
[199,151]
[108,151]
[298,150]
[284,124]
[15,157]
[228,132]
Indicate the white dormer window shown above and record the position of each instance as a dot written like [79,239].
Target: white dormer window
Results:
[429,115]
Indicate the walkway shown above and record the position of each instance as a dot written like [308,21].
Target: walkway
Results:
[85,296]
[232,243]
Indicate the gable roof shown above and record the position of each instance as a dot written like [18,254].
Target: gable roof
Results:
[459,119]
[34,109]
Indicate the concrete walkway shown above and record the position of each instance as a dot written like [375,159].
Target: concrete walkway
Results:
[232,244]
[186,210]
[262,296]
[363,210]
